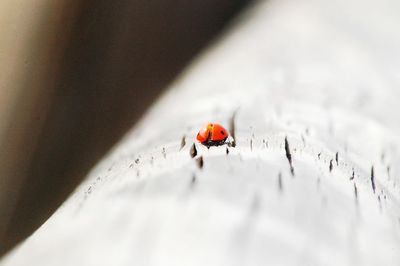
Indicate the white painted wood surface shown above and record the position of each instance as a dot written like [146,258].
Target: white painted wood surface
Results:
[323,73]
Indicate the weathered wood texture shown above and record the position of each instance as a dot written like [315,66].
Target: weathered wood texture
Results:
[313,179]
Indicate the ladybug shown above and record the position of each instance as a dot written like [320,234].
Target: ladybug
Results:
[212,135]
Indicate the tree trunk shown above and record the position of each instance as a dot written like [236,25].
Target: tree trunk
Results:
[309,90]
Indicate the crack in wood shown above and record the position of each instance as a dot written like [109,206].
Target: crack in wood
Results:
[289,156]
[183,142]
[200,162]
[193,151]
[232,129]
[373,178]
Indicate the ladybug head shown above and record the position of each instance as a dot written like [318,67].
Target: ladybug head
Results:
[203,134]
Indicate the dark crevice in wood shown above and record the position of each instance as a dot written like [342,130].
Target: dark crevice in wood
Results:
[193,151]
[232,129]
[183,142]
[193,181]
[200,162]
[289,156]
[373,178]
[356,193]
[352,175]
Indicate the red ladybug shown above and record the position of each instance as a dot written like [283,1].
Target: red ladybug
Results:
[212,135]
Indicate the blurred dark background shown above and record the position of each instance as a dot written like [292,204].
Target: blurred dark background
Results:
[85,74]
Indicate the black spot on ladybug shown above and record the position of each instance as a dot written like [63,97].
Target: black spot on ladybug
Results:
[193,151]
[222,132]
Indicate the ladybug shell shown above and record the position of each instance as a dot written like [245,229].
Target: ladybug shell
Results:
[218,133]
[212,133]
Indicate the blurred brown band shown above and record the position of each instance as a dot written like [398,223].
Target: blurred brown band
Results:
[76,75]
